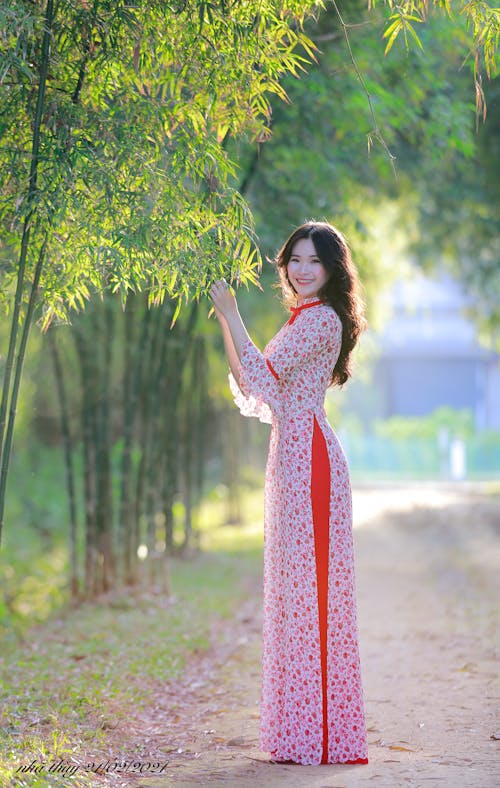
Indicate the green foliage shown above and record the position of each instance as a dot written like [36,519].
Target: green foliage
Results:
[456,423]
[482,20]
[404,447]
[113,160]
[441,209]
[136,177]
[138,110]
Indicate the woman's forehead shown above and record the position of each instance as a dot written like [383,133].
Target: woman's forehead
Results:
[304,247]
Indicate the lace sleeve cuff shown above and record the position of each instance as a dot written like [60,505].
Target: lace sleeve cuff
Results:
[247,404]
[257,392]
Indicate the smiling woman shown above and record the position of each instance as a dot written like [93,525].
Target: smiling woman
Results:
[312,708]
[305,270]
[318,252]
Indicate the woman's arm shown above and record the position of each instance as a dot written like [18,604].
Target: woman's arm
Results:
[233,328]
[231,353]
[258,392]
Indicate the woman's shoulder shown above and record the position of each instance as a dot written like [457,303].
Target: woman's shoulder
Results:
[326,307]
[322,322]
[326,314]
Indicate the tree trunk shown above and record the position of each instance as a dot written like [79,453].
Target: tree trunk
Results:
[173,388]
[69,464]
[147,404]
[194,454]
[87,409]
[203,418]
[103,339]
[134,360]
[21,269]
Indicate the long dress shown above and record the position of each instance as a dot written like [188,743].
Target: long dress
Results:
[312,708]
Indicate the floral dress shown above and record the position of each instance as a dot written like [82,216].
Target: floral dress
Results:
[311,708]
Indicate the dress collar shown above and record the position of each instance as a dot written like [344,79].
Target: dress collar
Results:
[307,302]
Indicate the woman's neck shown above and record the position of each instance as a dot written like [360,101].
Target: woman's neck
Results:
[307,300]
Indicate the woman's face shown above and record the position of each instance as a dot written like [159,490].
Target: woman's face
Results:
[305,270]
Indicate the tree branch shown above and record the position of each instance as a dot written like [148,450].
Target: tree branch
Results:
[375,132]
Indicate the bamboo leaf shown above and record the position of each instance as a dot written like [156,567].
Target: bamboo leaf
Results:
[415,37]
[176,313]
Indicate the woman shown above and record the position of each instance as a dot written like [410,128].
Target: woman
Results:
[312,699]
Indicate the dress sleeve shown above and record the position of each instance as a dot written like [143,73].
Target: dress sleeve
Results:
[313,334]
[258,392]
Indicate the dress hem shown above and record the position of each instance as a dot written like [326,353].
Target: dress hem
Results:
[354,762]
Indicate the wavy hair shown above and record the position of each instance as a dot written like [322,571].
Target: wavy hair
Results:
[340,291]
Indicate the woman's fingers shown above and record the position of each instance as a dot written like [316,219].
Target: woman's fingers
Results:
[221,297]
[220,284]
[219,288]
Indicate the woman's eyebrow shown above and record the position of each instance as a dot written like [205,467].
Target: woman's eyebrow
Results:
[315,256]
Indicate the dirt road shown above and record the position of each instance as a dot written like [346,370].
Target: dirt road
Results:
[427,563]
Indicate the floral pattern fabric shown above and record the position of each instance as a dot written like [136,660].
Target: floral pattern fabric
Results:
[285,386]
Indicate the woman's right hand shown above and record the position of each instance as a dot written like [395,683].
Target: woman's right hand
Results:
[223,299]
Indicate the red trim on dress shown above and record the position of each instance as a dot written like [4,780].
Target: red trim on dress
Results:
[320,498]
[272,370]
[296,309]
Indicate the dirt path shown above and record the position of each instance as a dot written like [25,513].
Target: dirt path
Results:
[427,563]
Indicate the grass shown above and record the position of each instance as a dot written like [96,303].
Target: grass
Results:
[71,677]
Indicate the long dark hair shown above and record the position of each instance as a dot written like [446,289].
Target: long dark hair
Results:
[341,290]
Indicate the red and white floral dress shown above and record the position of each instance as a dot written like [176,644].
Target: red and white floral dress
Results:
[311,709]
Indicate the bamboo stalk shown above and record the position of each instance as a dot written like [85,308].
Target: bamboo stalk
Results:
[103,340]
[154,443]
[128,421]
[127,526]
[172,386]
[18,371]
[87,419]
[21,269]
[68,455]
[148,395]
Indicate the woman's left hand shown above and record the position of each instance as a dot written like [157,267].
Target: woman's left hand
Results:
[223,298]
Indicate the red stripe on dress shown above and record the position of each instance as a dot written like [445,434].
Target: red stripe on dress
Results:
[320,499]
[272,370]
[296,310]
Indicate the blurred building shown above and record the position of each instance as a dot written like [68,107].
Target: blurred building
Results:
[430,355]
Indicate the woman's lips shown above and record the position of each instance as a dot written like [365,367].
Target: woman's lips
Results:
[304,281]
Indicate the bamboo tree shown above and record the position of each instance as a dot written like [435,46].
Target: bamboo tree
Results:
[194,430]
[171,410]
[137,341]
[202,420]
[133,361]
[93,334]
[69,462]
[103,342]
[18,371]
[149,384]
[87,415]
[152,447]
[8,395]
